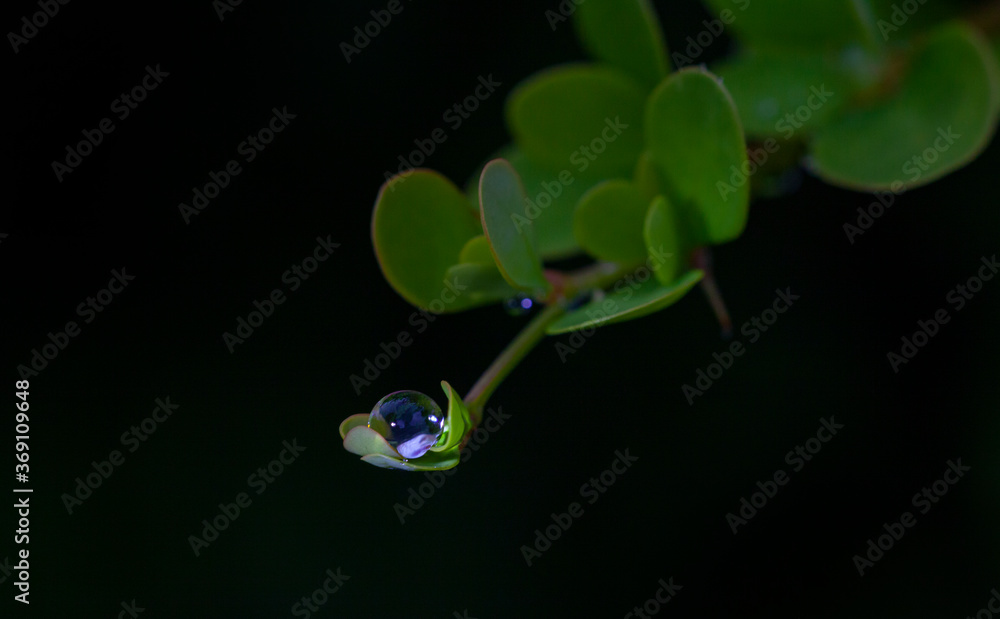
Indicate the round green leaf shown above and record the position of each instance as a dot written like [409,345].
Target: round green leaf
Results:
[362,441]
[510,234]
[352,422]
[626,303]
[943,116]
[476,251]
[695,138]
[784,95]
[608,222]
[662,239]
[579,117]
[625,34]
[798,24]
[419,227]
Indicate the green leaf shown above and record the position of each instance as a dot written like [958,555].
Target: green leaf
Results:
[510,234]
[696,140]
[798,24]
[483,283]
[625,34]
[352,422]
[626,303]
[427,462]
[609,220]
[646,177]
[476,251]
[662,241]
[456,424]
[943,116]
[785,94]
[580,116]
[419,226]
[362,441]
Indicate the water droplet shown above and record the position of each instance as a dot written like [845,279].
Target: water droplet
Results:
[409,420]
[518,305]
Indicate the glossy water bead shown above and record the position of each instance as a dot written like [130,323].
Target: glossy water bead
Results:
[409,420]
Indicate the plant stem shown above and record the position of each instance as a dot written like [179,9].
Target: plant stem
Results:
[479,394]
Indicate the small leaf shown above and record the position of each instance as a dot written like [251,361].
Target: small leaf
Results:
[457,422]
[646,177]
[696,140]
[476,251]
[625,34]
[790,25]
[482,283]
[943,116]
[362,441]
[427,462]
[609,220]
[419,226]
[580,116]
[662,240]
[626,303]
[783,94]
[352,422]
[511,239]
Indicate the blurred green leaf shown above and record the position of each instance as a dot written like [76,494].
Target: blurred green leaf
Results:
[477,251]
[646,177]
[943,116]
[662,241]
[512,240]
[784,95]
[608,222]
[792,25]
[483,282]
[695,138]
[582,117]
[626,303]
[419,226]
[625,34]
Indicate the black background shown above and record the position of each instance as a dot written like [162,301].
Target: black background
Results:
[665,517]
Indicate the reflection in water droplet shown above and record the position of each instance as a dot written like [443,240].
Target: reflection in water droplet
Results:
[518,305]
[409,420]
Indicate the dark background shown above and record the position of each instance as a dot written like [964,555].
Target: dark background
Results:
[665,517]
